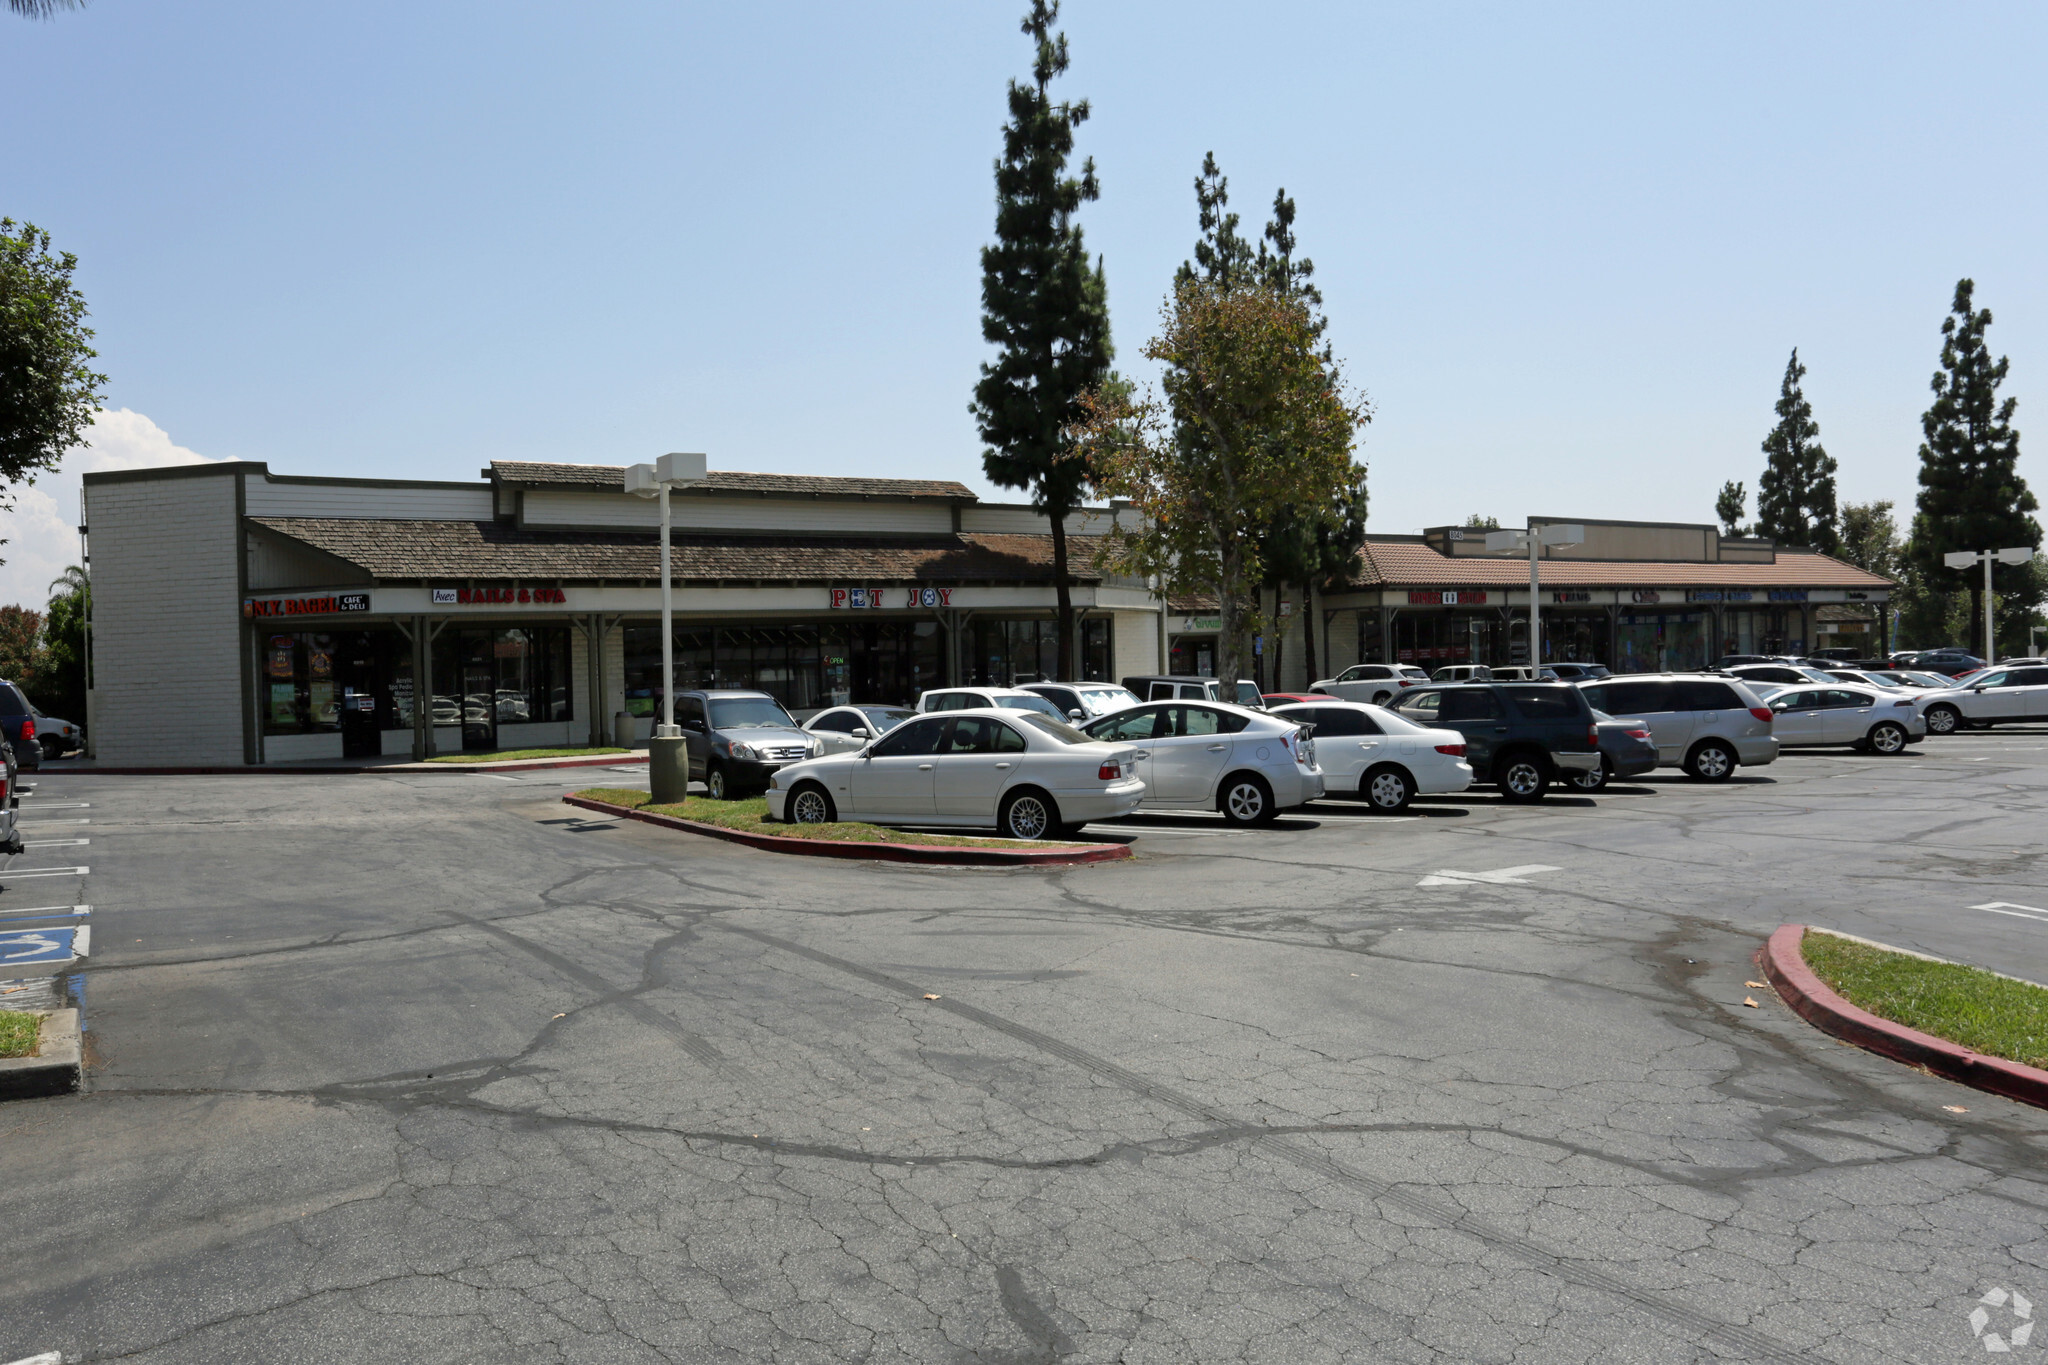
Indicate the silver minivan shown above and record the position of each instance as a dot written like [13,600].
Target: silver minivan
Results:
[1703,724]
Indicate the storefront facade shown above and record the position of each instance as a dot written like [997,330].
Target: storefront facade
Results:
[302,620]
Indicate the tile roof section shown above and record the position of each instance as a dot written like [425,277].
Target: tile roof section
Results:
[1402,563]
[494,550]
[612,478]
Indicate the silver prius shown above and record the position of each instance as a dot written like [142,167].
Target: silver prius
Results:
[1249,765]
[1027,775]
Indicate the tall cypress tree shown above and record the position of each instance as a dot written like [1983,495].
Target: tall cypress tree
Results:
[1795,498]
[1971,494]
[1044,304]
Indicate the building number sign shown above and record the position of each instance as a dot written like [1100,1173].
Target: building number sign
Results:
[863,599]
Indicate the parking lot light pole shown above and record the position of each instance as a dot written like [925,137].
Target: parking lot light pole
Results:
[1532,540]
[668,761]
[1966,559]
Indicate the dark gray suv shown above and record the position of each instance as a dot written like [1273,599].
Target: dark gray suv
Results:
[738,739]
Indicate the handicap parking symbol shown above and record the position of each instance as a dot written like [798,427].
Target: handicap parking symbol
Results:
[28,947]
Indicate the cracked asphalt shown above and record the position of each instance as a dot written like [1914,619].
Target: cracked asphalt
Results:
[438,1069]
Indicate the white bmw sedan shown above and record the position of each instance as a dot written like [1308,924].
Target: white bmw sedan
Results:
[1209,755]
[1027,775]
[1385,758]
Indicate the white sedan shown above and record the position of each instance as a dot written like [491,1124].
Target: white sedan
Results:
[1027,775]
[843,729]
[1210,755]
[1385,758]
[1882,722]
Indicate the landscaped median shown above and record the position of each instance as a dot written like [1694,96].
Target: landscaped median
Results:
[746,822]
[527,755]
[39,1053]
[1970,1025]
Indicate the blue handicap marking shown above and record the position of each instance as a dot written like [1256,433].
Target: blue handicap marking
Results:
[27,947]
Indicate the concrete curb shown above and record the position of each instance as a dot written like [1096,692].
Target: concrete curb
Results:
[54,1070]
[1785,968]
[942,855]
[402,769]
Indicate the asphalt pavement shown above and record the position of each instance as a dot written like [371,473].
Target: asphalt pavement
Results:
[438,1069]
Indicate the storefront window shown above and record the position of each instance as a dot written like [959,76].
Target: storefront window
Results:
[1432,639]
[1660,641]
[311,678]
[515,675]
[806,666]
[1194,656]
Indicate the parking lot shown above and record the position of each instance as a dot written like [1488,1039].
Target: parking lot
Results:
[438,1069]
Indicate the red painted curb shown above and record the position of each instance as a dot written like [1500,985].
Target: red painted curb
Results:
[396,769]
[1784,966]
[928,854]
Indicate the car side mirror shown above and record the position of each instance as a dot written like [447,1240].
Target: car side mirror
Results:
[1074,714]
[861,732]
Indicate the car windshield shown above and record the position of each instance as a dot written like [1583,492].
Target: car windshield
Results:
[886,717]
[1394,723]
[1100,701]
[1030,701]
[1057,728]
[749,713]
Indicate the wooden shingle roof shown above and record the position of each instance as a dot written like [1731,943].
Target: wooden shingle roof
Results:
[489,549]
[1411,563]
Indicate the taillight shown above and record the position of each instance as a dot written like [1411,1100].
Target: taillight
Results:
[1454,750]
[28,727]
[1639,734]
[3,789]
[1593,734]
[1762,713]
[1109,772]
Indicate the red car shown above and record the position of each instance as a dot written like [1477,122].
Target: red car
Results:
[1290,698]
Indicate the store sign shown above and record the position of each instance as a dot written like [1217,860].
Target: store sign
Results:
[1857,596]
[1571,595]
[1719,595]
[497,597]
[1788,594]
[1461,597]
[868,599]
[1197,623]
[255,608]
[1646,595]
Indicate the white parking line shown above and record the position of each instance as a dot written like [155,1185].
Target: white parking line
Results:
[1506,876]
[64,805]
[2032,912]
[55,843]
[48,912]
[46,1358]
[18,874]
[61,820]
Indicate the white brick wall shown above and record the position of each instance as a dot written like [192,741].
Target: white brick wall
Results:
[1134,644]
[166,613]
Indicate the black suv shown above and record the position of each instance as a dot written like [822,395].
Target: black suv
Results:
[1520,736]
[18,723]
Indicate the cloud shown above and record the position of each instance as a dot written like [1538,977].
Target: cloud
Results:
[42,530]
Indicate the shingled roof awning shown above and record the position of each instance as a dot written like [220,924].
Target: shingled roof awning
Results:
[612,479]
[1404,563]
[494,550]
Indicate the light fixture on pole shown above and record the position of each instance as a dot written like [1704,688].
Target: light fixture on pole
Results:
[1556,537]
[668,764]
[1968,559]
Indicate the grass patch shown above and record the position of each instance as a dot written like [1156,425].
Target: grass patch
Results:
[509,755]
[1965,1005]
[751,816]
[18,1033]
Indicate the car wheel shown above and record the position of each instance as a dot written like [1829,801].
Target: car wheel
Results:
[1028,814]
[1943,720]
[53,748]
[1387,789]
[716,783]
[811,804]
[1381,698]
[1887,738]
[1595,780]
[1245,799]
[1524,777]
[1710,762]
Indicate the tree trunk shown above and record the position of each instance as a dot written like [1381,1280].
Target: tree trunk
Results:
[1309,607]
[1065,597]
[1230,638]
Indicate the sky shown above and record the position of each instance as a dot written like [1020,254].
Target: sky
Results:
[1564,249]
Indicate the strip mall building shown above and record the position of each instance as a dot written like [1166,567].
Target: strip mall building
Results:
[245,617]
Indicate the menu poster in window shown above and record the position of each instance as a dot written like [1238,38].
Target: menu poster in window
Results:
[283,703]
[320,657]
[280,656]
[325,710]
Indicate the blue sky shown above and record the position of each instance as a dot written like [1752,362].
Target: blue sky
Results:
[1565,248]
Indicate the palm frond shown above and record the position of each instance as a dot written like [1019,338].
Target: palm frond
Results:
[42,9]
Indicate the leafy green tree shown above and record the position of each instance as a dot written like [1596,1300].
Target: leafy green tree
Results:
[60,676]
[1870,538]
[48,394]
[1971,494]
[1475,522]
[1252,421]
[1729,507]
[1043,305]
[21,637]
[1795,498]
